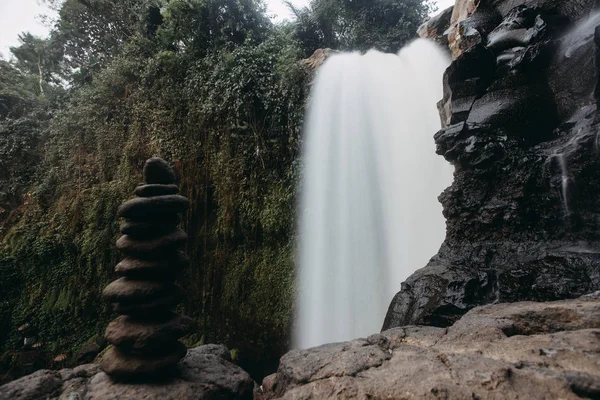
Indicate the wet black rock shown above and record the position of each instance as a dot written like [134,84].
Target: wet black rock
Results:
[520,125]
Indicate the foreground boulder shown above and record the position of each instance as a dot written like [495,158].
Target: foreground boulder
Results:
[205,373]
[522,350]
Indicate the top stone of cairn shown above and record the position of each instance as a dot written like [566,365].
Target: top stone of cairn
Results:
[157,171]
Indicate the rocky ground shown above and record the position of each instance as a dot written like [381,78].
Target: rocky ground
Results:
[523,350]
[205,373]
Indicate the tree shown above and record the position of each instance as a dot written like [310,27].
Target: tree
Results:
[199,27]
[361,25]
[41,57]
[93,32]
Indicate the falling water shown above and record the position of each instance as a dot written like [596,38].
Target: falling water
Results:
[369,214]
[564,176]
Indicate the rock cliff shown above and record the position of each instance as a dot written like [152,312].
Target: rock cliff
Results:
[521,128]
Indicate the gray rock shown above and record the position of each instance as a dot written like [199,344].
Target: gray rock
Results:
[435,28]
[214,349]
[506,351]
[203,374]
[40,385]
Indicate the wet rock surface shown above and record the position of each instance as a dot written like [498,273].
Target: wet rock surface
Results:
[145,337]
[521,127]
[525,350]
[436,28]
[204,373]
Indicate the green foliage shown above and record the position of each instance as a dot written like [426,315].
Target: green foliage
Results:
[385,25]
[200,26]
[210,85]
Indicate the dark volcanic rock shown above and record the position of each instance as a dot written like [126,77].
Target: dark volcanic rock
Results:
[150,310]
[504,351]
[125,365]
[150,248]
[149,230]
[204,374]
[145,337]
[149,208]
[136,268]
[129,333]
[521,128]
[158,171]
[131,291]
[155,190]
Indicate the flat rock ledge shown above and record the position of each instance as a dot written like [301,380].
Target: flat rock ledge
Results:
[523,350]
[205,373]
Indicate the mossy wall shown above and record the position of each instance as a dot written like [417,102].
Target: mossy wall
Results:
[229,123]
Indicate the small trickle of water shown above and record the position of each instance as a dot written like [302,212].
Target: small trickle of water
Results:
[369,214]
[581,34]
[564,172]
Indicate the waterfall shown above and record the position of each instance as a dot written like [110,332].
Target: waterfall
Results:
[369,214]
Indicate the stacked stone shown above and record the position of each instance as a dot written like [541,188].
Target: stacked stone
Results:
[145,336]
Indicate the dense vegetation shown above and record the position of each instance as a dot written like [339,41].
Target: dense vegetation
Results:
[214,87]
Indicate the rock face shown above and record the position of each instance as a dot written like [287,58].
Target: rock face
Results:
[521,128]
[204,373]
[506,351]
[436,28]
[145,338]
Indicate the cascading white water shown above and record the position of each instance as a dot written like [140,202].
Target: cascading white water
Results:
[369,214]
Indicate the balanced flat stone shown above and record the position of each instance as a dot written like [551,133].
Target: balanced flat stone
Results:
[125,290]
[153,310]
[147,208]
[135,267]
[162,244]
[123,365]
[155,228]
[158,171]
[132,334]
[151,190]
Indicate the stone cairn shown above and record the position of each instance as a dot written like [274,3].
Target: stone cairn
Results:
[145,336]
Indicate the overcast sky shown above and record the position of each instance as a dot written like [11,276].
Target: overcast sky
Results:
[17,16]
